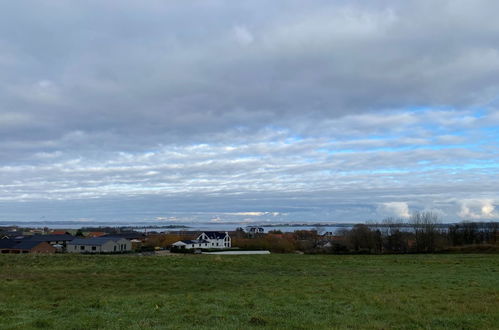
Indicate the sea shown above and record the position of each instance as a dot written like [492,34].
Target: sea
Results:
[147,226]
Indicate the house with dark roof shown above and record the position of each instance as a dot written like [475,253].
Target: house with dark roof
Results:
[99,245]
[206,240]
[52,239]
[255,231]
[25,246]
[128,235]
[6,245]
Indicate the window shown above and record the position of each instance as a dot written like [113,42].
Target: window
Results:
[82,247]
[94,248]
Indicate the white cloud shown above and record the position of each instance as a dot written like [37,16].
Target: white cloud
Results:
[395,209]
[476,209]
[255,214]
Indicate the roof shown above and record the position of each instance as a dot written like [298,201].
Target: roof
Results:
[50,238]
[12,234]
[94,240]
[96,234]
[215,234]
[26,245]
[7,243]
[18,245]
[127,235]
[59,232]
[193,241]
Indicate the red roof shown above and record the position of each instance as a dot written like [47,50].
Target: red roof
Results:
[96,234]
[59,232]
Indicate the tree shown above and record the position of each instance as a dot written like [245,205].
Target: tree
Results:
[362,239]
[425,226]
[394,240]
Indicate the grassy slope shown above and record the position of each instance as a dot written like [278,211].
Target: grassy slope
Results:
[277,291]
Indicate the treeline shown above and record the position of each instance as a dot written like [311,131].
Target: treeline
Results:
[423,233]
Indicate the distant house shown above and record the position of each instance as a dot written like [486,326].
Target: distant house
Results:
[25,246]
[206,240]
[255,231]
[96,234]
[60,232]
[99,245]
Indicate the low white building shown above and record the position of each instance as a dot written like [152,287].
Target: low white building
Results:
[207,240]
[99,245]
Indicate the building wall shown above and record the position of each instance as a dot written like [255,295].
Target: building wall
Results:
[217,243]
[122,245]
[43,247]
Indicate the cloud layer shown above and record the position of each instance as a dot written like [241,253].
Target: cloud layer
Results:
[330,111]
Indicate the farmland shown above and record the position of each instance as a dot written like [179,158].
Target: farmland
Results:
[281,291]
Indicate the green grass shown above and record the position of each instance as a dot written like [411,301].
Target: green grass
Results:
[240,292]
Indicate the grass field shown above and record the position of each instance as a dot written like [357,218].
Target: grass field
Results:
[239,292]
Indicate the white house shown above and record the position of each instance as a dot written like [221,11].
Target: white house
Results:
[99,245]
[207,240]
[217,239]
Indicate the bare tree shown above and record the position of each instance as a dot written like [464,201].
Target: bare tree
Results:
[394,239]
[425,226]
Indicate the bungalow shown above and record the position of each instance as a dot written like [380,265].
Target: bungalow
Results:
[6,244]
[206,240]
[25,246]
[52,239]
[192,244]
[99,245]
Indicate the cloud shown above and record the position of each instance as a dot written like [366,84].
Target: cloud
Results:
[476,209]
[255,214]
[396,209]
[243,35]
[324,110]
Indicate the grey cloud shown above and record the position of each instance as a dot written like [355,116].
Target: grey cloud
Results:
[334,103]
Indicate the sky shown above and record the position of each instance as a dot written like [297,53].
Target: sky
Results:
[249,111]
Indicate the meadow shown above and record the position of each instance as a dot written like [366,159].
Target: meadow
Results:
[279,291]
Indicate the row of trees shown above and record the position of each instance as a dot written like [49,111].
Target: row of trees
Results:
[423,233]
